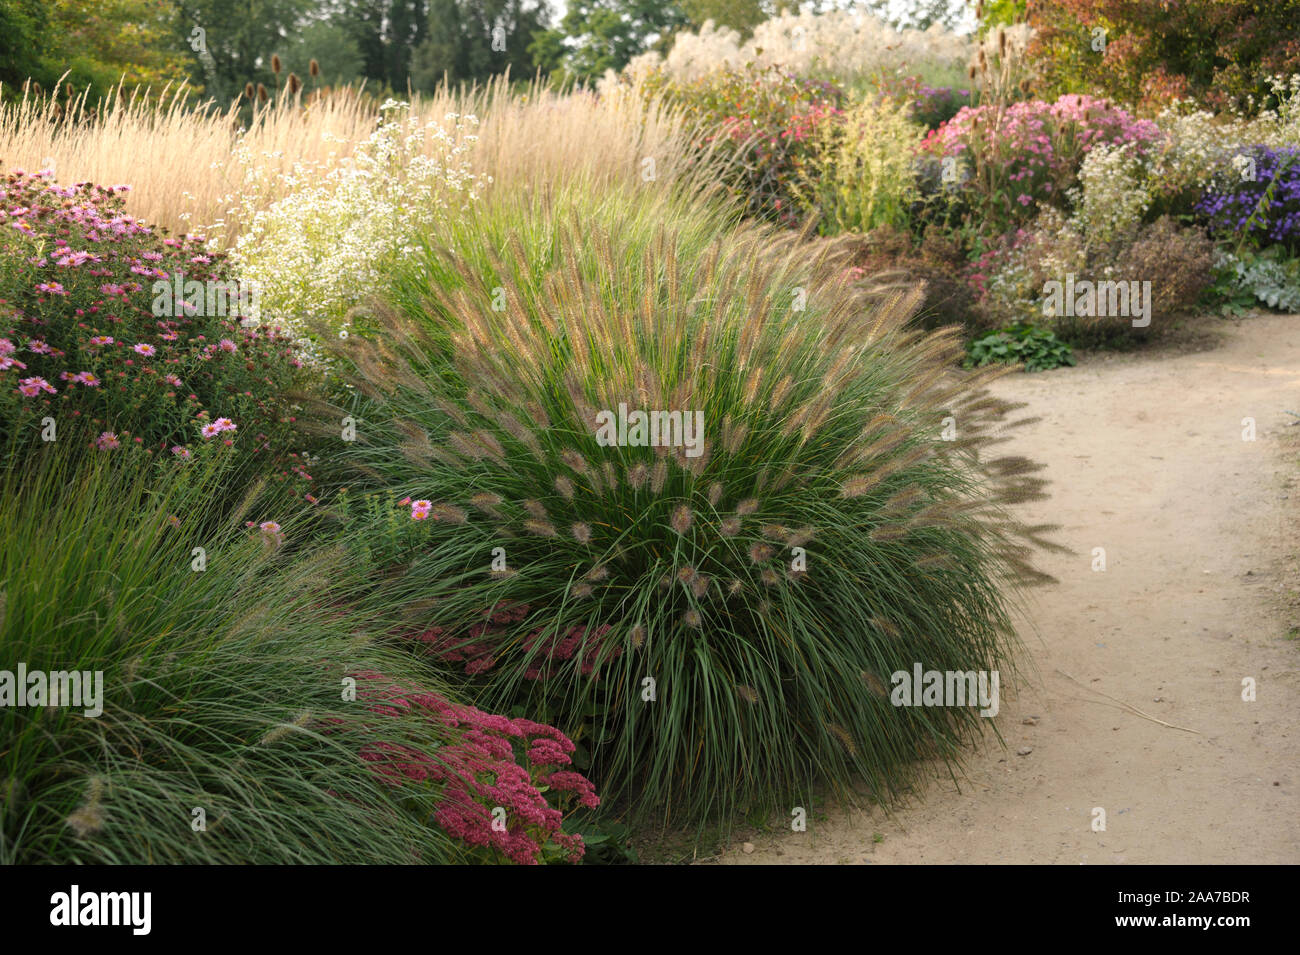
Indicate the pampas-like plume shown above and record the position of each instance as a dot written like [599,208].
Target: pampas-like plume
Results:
[636,475]
[659,476]
[681,519]
[449,513]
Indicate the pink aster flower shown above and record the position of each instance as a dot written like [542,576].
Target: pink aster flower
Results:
[87,378]
[144,349]
[34,386]
[39,347]
[99,340]
[210,431]
[226,345]
[172,380]
[224,424]
[107,441]
[181,451]
[420,510]
[53,288]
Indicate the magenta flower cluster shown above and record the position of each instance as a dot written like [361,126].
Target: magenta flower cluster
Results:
[495,774]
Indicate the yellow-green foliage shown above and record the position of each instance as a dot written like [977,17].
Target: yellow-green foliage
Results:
[862,174]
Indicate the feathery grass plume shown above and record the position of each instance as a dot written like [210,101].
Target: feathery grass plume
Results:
[277,733]
[449,513]
[536,509]
[590,320]
[487,503]
[747,693]
[582,533]
[715,493]
[658,476]
[637,636]
[681,520]
[733,436]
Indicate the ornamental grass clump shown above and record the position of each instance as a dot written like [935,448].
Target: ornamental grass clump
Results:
[241,708]
[714,618]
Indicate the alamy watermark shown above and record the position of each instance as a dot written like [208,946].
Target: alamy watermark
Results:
[84,688]
[924,687]
[1088,299]
[179,296]
[643,429]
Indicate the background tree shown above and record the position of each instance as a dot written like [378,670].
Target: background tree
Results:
[240,36]
[600,35]
[472,40]
[741,15]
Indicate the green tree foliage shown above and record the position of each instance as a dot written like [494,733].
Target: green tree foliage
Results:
[96,43]
[470,40]
[1219,52]
[239,38]
[741,15]
[602,35]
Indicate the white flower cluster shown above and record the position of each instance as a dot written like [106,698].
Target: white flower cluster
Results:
[318,251]
[837,43]
[1113,193]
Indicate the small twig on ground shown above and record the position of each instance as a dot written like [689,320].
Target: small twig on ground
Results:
[1128,706]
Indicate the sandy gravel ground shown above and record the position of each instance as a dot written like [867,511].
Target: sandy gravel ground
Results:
[1200,531]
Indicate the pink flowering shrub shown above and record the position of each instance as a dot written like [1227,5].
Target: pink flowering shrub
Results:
[504,784]
[88,340]
[766,119]
[1015,159]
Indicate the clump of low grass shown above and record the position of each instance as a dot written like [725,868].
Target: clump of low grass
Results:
[225,735]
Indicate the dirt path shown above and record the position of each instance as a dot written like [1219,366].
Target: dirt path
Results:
[1146,459]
